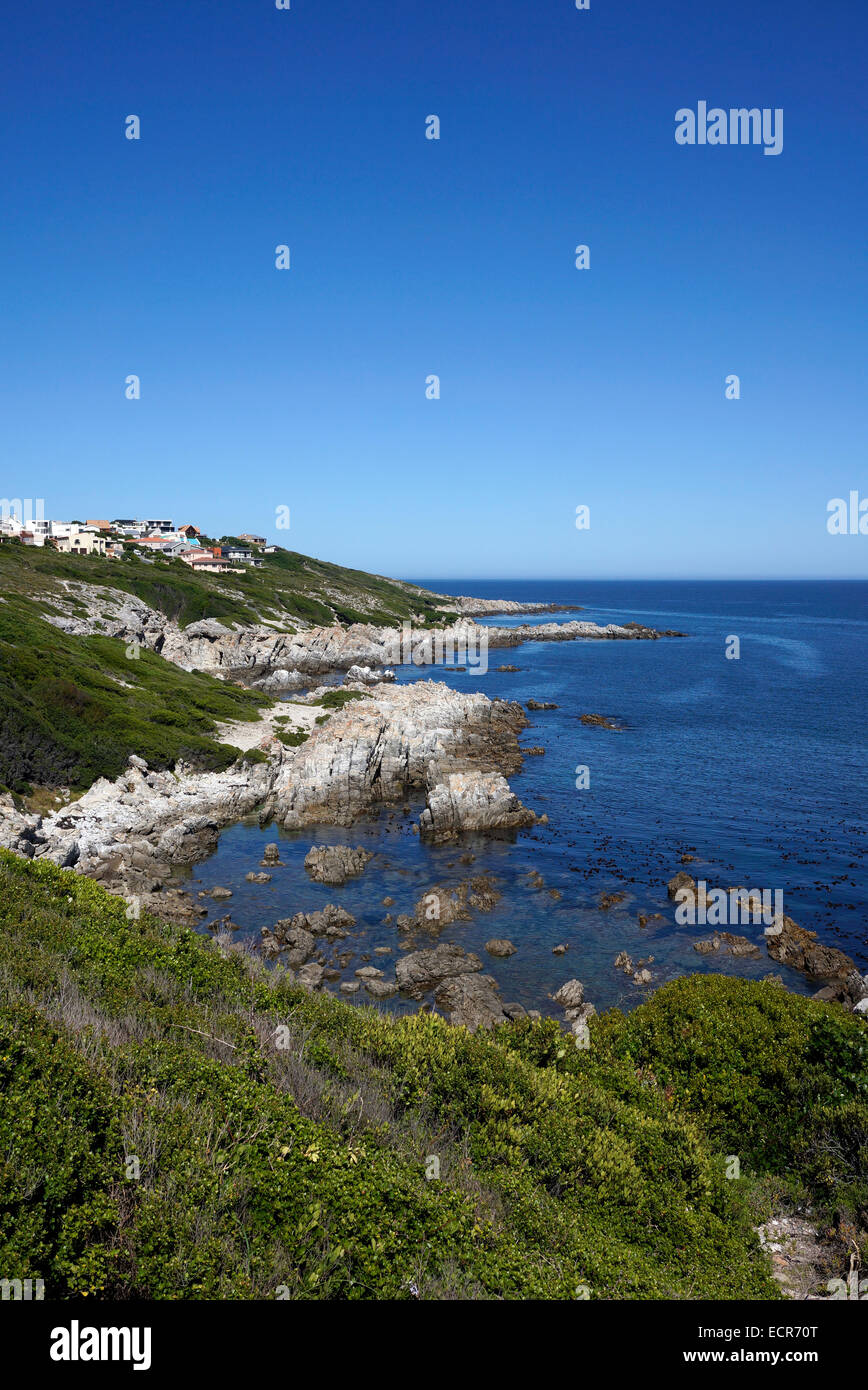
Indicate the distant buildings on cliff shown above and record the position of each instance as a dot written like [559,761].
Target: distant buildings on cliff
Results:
[150,536]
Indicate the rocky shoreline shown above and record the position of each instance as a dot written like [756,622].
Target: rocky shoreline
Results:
[385,745]
[283,661]
[425,741]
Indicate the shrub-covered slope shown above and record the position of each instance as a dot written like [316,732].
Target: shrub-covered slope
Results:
[288,586]
[74,708]
[178,1122]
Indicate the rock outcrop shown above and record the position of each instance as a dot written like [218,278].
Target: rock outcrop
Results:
[446,903]
[500,947]
[396,742]
[422,971]
[600,721]
[335,863]
[405,739]
[462,801]
[471,1001]
[571,997]
[282,661]
[737,946]
[800,949]
[297,935]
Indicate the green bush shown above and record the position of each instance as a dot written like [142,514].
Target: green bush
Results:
[73,709]
[776,1078]
[306,1166]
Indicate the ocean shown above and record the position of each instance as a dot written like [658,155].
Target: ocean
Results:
[753,766]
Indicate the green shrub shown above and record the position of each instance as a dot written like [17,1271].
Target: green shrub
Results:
[306,1167]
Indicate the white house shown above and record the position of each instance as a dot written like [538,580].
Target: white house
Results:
[81,543]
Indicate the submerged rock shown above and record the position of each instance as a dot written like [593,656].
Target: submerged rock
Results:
[732,945]
[446,903]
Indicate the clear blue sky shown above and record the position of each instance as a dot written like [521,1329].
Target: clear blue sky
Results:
[560,387]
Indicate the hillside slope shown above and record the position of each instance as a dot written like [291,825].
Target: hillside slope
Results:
[74,708]
[179,1122]
[288,587]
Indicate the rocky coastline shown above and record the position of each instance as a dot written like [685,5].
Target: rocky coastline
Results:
[282,661]
[449,751]
[424,741]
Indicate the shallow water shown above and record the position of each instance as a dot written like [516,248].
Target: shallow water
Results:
[755,766]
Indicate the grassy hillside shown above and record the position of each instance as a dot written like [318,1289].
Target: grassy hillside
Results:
[288,587]
[73,709]
[179,1122]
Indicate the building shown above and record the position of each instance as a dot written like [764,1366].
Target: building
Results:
[30,532]
[100,525]
[191,532]
[240,555]
[251,540]
[158,545]
[157,527]
[81,543]
[211,564]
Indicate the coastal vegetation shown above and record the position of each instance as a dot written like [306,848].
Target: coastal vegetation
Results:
[74,708]
[181,1122]
[288,586]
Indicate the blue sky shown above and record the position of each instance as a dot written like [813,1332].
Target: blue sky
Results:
[306,388]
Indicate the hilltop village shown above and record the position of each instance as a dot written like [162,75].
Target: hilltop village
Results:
[143,538]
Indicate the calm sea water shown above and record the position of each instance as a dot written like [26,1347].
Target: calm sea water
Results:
[755,766]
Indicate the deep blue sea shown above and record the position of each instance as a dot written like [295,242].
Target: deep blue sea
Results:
[755,766]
